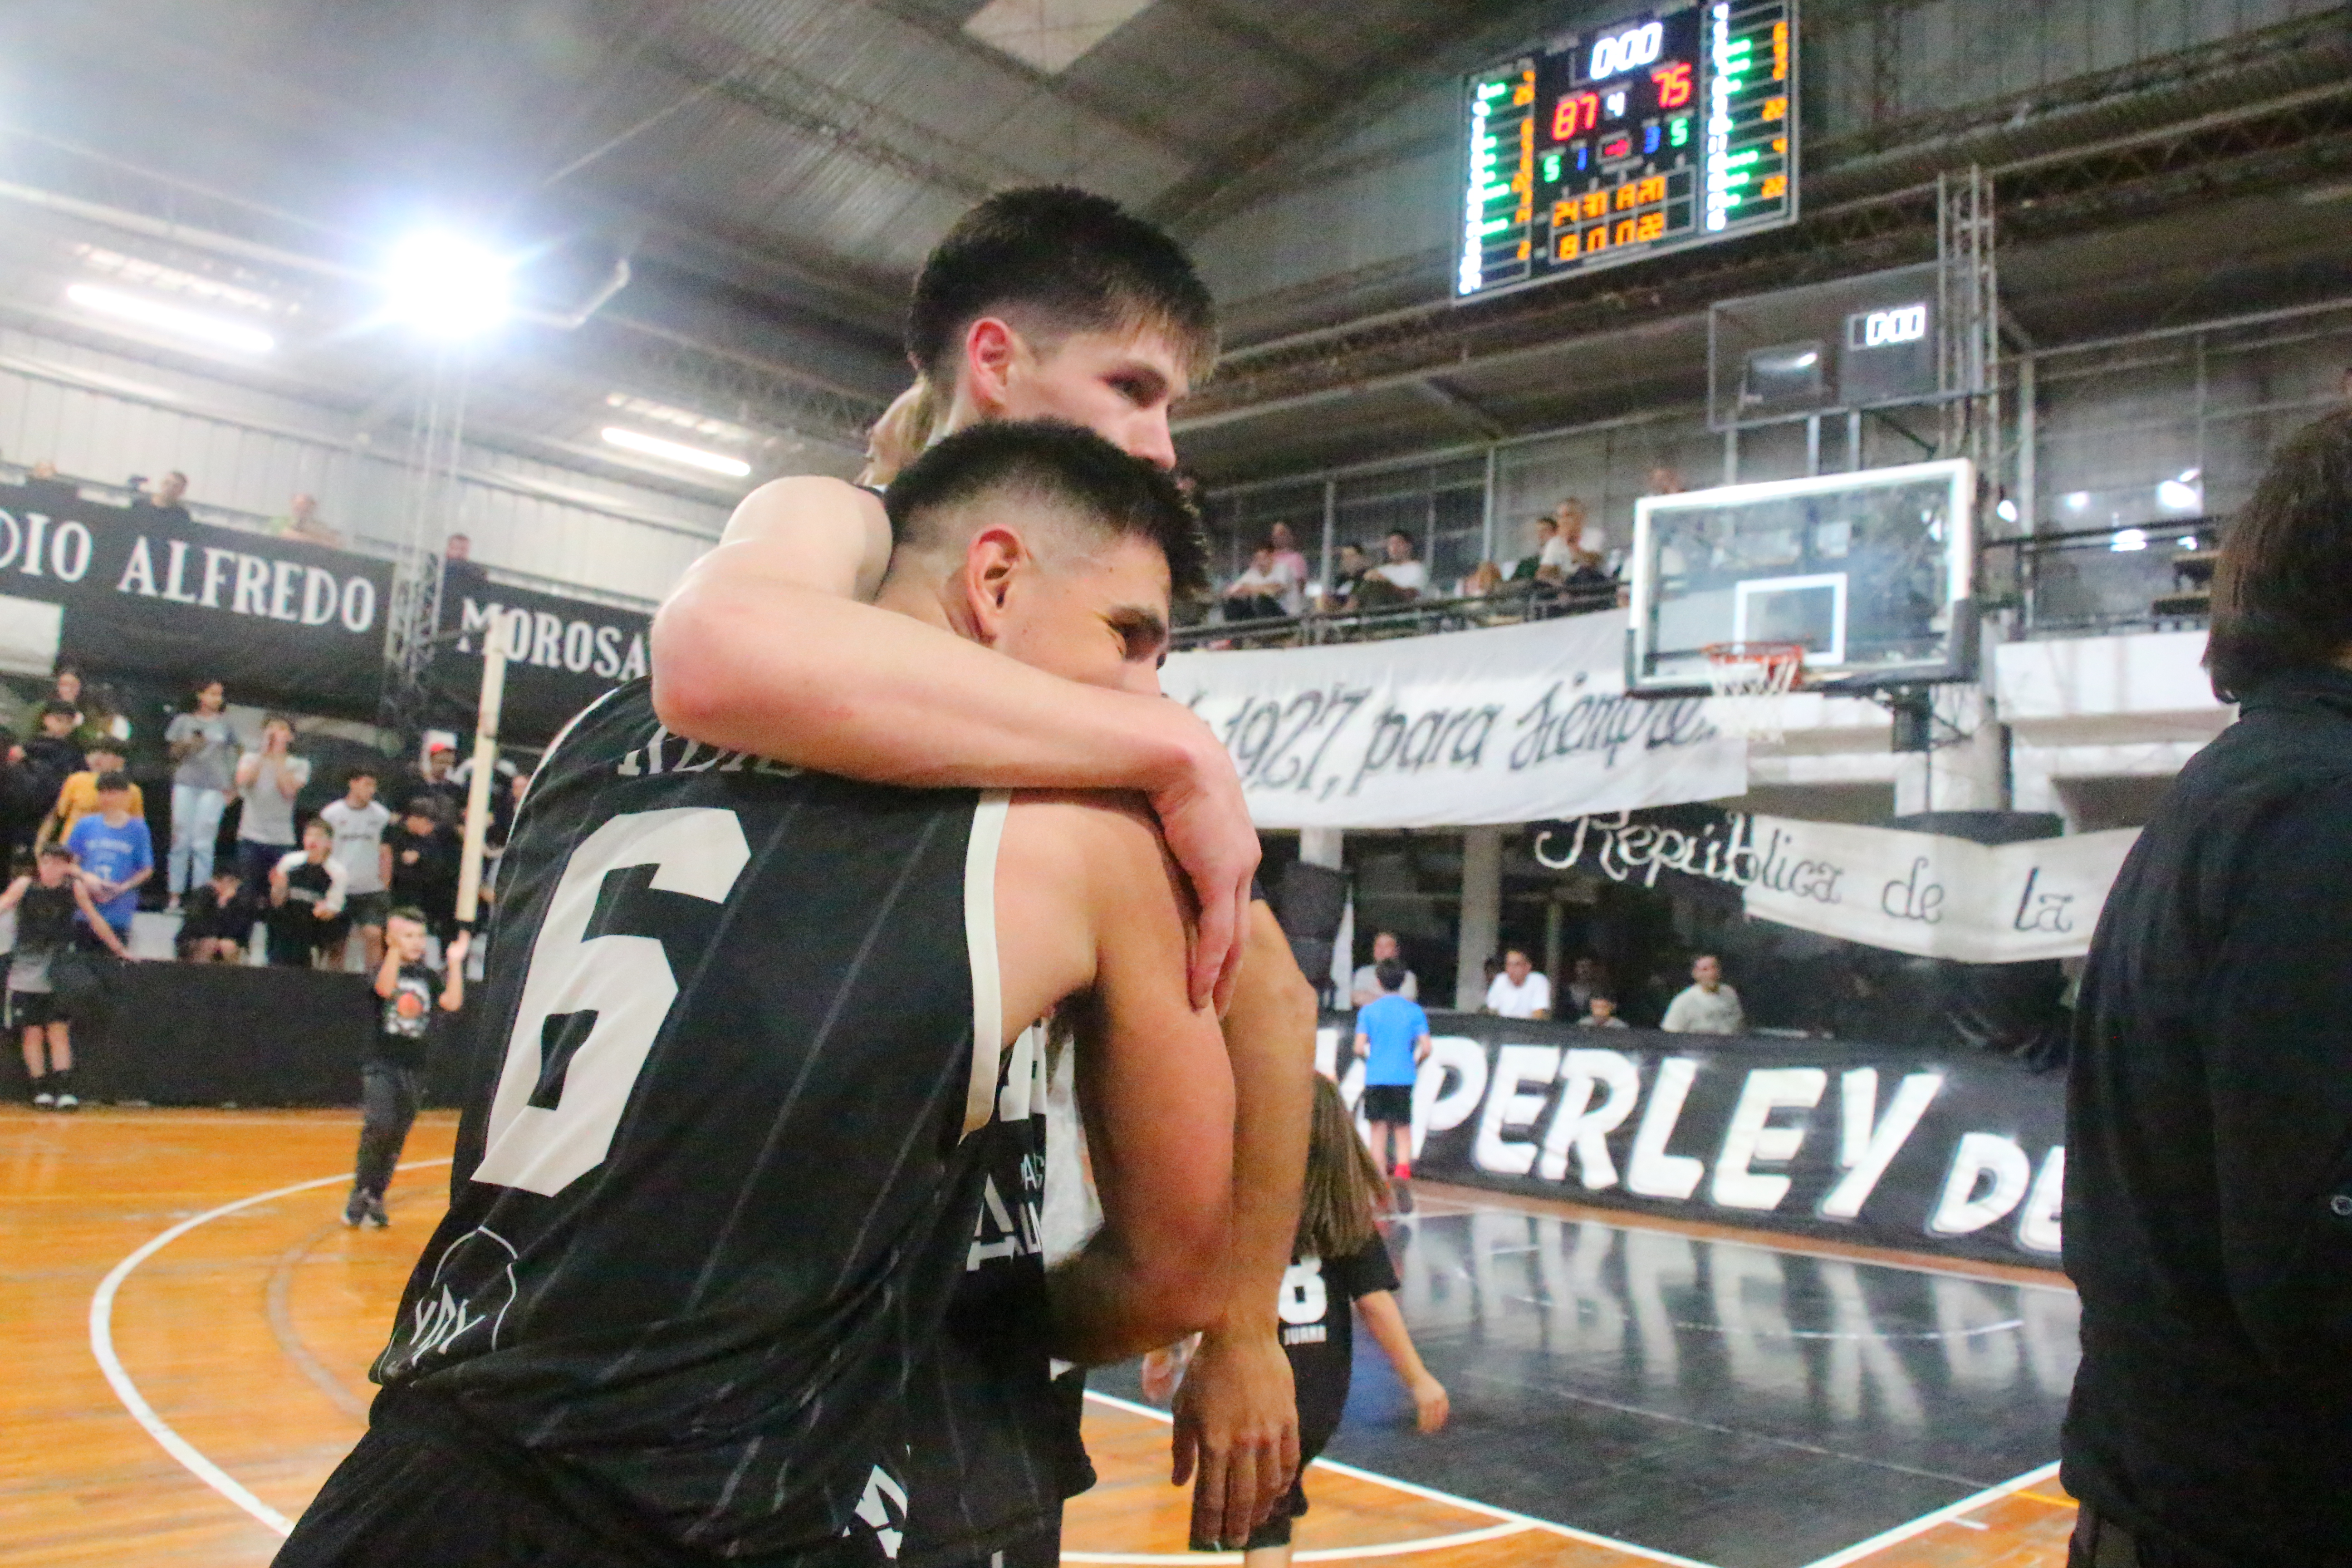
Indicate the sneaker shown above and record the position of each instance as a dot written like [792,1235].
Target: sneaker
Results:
[68,1102]
[375,1214]
[354,1209]
[44,1100]
[1400,1195]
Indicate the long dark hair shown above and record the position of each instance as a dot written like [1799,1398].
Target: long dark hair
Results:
[1345,1190]
[2283,588]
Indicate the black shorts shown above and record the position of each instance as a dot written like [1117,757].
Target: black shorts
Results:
[1389,1102]
[367,909]
[1042,1548]
[412,1495]
[32,1009]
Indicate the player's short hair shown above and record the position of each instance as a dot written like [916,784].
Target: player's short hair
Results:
[1054,260]
[425,806]
[2278,590]
[58,852]
[106,748]
[1050,463]
[112,781]
[278,718]
[363,770]
[320,824]
[60,705]
[1390,974]
[405,912]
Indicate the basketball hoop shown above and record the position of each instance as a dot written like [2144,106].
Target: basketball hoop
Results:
[1749,679]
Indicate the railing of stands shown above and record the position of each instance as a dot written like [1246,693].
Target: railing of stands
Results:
[1508,605]
[2149,576]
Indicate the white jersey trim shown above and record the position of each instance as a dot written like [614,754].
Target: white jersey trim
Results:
[979,945]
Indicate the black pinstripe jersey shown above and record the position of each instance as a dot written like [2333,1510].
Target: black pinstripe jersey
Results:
[738,1123]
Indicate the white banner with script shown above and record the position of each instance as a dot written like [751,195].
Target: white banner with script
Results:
[1511,724]
[1925,894]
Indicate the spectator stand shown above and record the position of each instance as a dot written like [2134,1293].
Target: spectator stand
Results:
[1508,604]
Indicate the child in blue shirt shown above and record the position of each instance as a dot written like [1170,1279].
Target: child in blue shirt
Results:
[114,852]
[1393,1036]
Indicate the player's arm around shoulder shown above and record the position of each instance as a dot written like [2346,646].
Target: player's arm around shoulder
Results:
[1155,1085]
[794,548]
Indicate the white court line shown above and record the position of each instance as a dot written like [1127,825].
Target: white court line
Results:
[101,1345]
[1522,1520]
[1928,1521]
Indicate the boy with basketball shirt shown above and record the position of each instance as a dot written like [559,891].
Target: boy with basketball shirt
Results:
[392,1078]
[1042,303]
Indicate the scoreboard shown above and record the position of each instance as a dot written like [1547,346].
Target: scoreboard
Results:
[1665,129]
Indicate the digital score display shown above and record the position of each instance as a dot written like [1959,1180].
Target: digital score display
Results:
[1669,128]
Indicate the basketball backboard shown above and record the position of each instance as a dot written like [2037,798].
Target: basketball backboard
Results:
[1873,572]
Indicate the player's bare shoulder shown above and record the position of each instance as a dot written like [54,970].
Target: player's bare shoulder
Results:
[810,530]
[1076,872]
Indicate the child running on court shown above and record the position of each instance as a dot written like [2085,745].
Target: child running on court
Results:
[1339,1260]
[391,1080]
[45,905]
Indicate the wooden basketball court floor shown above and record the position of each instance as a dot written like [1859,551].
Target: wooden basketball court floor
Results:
[190,1325]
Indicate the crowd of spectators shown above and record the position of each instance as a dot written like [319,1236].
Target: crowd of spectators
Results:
[294,884]
[164,501]
[1516,988]
[1566,566]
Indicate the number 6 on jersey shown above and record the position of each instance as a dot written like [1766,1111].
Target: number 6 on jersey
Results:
[625,980]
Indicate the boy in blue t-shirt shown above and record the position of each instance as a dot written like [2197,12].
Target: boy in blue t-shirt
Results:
[1393,1036]
[114,853]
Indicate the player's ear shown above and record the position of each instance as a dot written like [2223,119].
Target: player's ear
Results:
[992,562]
[992,349]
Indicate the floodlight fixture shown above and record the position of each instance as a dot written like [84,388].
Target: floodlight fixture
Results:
[2005,510]
[2182,494]
[676,452]
[447,286]
[217,330]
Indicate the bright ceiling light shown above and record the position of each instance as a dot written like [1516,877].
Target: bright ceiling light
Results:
[446,286]
[173,319]
[672,451]
[2128,540]
[2183,494]
[2006,509]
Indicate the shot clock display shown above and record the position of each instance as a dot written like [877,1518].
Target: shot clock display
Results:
[1668,128]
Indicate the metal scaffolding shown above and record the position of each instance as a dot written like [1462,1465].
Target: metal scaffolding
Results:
[436,456]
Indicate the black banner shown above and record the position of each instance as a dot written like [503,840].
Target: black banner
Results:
[1957,1155]
[144,590]
[565,654]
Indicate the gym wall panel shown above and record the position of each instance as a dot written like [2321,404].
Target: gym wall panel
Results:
[103,418]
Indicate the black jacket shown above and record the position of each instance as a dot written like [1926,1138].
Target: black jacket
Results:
[2209,1192]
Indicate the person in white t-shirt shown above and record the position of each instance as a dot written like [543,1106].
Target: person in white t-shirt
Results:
[1707,1006]
[358,821]
[1265,592]
[1409,577]
[1521,991]
[1579,541]
[1364,986]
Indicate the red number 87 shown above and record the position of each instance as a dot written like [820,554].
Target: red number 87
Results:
[1578,112]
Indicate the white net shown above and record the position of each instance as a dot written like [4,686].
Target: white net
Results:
[1752,683]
